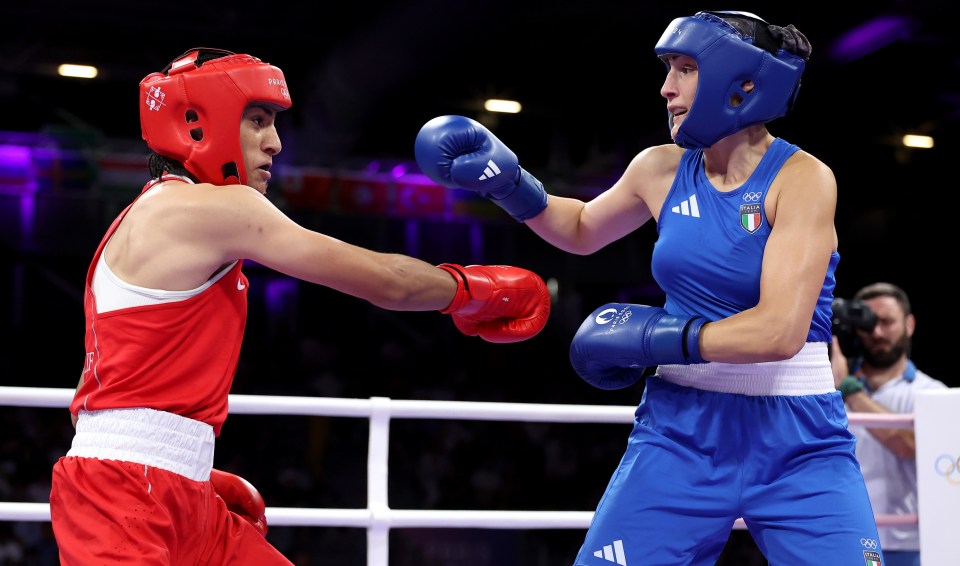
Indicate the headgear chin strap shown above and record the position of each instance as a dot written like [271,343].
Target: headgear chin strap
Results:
[731,48]
[191,110]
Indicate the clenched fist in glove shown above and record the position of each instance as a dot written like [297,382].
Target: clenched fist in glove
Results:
[241,498]
[618,341]
[456,151]
[499,303]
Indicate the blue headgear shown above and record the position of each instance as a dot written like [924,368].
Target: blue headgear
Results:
[731,48]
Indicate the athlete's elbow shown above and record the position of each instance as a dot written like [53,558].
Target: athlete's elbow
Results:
[576,242]
[574,246]
[777,348]
[580,251]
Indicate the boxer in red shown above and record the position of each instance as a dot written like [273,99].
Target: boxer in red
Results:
[166,306]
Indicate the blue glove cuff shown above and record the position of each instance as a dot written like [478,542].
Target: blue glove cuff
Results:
[526,200]
[691,341]
[671,339]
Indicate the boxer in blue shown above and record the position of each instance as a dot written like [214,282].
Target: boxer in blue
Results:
[741,418]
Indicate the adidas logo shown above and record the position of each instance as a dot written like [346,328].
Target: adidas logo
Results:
[687,208]
[490,171]
[613,552]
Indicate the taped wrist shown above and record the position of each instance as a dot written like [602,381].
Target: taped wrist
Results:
[850,385]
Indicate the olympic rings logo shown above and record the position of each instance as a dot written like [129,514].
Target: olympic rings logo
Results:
[869,543]
[751,197]
[948,467]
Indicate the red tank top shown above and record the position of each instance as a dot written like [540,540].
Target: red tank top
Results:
[178,357]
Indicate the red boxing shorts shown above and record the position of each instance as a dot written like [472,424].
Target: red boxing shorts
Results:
[111,511]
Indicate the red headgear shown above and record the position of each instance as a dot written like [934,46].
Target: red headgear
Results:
[191,110]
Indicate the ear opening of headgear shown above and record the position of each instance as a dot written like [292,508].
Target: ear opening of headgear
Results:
[732,48]
[191,110]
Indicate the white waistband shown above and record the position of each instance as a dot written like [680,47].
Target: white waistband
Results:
[807,373]
[146,436]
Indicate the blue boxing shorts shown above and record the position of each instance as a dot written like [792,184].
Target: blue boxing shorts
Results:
[697,460]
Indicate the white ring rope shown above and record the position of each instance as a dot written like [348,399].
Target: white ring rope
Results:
[409,518]
[378,518]
[414,409]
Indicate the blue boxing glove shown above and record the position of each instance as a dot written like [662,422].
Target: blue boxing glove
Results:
[618,341]
[456,151]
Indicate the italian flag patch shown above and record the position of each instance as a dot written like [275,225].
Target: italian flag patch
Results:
[750,217]
[871,558]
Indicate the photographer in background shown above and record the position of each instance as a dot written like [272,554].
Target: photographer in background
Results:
[872,368]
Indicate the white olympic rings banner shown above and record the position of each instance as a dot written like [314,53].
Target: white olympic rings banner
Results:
[938,473]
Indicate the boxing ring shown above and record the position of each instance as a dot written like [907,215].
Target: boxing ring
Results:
[378,518]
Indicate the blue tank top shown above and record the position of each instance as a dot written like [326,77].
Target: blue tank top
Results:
[709,248]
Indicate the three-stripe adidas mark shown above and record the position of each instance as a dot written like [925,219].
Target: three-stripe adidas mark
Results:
[613,553]
[490,171]
[687,208]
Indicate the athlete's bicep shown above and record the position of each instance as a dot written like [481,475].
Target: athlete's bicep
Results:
[797,254]
[261,232]
[251,227]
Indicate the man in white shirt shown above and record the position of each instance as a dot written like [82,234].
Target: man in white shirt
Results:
[881,378]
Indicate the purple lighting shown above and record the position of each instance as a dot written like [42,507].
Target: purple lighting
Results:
[398,171]
[870,36]
[17,177]
[16,170]
[281,296]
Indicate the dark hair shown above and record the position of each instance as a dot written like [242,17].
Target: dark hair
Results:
[883,289]
[767,36]
[160,165]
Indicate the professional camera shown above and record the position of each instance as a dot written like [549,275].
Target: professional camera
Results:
[848,317]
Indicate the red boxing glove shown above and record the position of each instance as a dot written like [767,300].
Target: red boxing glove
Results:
[499,303]
[241,498]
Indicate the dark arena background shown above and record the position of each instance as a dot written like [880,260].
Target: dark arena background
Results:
[364,77]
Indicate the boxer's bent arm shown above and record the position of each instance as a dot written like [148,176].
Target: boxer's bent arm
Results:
[795,261]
